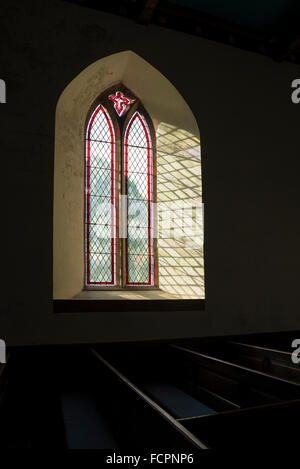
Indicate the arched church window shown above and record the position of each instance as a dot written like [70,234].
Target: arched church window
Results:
[120,193]
[128,213]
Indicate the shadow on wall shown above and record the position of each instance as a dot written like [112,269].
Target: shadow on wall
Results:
[180,220]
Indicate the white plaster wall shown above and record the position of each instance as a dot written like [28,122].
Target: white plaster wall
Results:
[166,107]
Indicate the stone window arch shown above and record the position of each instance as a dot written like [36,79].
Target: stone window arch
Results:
[178,182]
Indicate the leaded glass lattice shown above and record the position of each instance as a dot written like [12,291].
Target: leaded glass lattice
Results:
[138,169]
[100,200]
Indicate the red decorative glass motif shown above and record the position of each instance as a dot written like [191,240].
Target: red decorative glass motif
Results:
[121,103]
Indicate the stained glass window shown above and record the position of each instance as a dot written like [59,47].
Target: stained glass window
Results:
[121,102]
[100,203]
[139,189]
[119,171]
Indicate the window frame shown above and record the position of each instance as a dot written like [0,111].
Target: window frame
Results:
[86,209]
[120,125]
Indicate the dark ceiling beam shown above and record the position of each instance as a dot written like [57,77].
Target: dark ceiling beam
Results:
[280,45]
[147,11]
[277,45]
[205,20]
[288,48]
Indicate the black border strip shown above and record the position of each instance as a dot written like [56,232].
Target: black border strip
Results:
[94,306]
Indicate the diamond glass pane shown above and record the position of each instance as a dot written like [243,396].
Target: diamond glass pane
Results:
[139,189]
[100,187]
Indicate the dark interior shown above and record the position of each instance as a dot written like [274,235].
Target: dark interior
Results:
[168,396]
[154,374]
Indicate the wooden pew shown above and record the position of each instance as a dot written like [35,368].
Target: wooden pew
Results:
[259,417]
[272,361]
[86,426]
[239,384]
[141,421]
[150,397]
[272,427]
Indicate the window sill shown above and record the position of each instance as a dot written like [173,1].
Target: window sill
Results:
[124,294]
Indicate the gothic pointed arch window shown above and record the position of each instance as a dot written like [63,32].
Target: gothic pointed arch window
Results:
[120,193]
[128,212]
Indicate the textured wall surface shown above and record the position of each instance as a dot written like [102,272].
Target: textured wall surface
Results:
[250,160]
[178,174]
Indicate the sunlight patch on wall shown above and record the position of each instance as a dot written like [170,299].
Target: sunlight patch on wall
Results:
[180,213]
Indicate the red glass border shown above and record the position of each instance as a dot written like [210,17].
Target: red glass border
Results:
[150,163]
[113,198]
